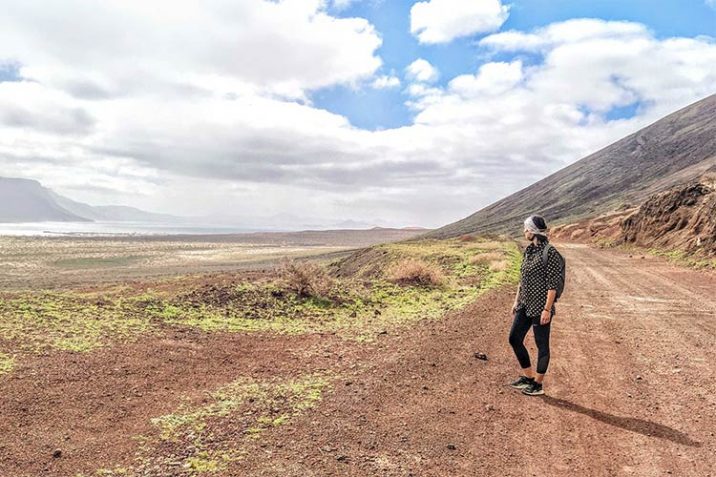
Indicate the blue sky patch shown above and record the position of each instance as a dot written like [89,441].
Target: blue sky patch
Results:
[623,112]
[377,109]
[9,71]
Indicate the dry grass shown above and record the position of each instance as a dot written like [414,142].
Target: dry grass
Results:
[486,258]
[499,265]
[416,272]
[467,238]
[305,279]
[492,244]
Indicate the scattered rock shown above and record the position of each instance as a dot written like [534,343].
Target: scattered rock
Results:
[57,453]
[638,377]
[451,447]
[481,356]
[489,407]
[342,458]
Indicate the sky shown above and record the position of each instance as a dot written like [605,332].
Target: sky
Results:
[387,112]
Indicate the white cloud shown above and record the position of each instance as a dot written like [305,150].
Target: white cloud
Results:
[492,79]
[599,64]
[441,21]
[137,121]
[385,82]
[126,47]
[421,70]
[711,3]
[567,32]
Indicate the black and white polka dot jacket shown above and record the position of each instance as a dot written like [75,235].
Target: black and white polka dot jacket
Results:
[534,282]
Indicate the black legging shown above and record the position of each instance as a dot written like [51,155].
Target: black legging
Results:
[519,330]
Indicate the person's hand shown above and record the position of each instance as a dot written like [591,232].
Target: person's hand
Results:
[514,308]
[545,318]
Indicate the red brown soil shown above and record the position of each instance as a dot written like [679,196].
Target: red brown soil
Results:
[90,405]
[629,390]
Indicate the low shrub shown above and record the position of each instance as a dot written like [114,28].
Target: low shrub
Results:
[416,272]
[306,279]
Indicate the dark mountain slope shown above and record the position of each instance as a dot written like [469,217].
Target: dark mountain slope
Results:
[672,151]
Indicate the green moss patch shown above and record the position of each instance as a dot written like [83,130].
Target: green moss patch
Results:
[7,362]
[683,258]
[207,439]
[69,321]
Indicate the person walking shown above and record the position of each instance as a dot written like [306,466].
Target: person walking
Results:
[541,276]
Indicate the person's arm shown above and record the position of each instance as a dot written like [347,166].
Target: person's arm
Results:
[519,285]
[547,312]
[517,297]
[552,276]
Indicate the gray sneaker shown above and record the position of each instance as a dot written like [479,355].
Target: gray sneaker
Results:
[522,382]
[533,389]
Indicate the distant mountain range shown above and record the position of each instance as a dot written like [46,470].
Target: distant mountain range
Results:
[25,200]
[676,149]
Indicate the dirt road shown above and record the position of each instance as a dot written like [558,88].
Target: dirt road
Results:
[630,390]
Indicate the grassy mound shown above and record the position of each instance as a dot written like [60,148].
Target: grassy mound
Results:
[376,289]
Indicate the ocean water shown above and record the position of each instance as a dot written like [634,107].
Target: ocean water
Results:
[113,229]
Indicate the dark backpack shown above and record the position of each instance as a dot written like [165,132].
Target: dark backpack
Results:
[562,269]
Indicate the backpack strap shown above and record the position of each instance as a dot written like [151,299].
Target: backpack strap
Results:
[544,255]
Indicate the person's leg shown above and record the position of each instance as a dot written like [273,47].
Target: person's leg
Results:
[541,333]
[520,327]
